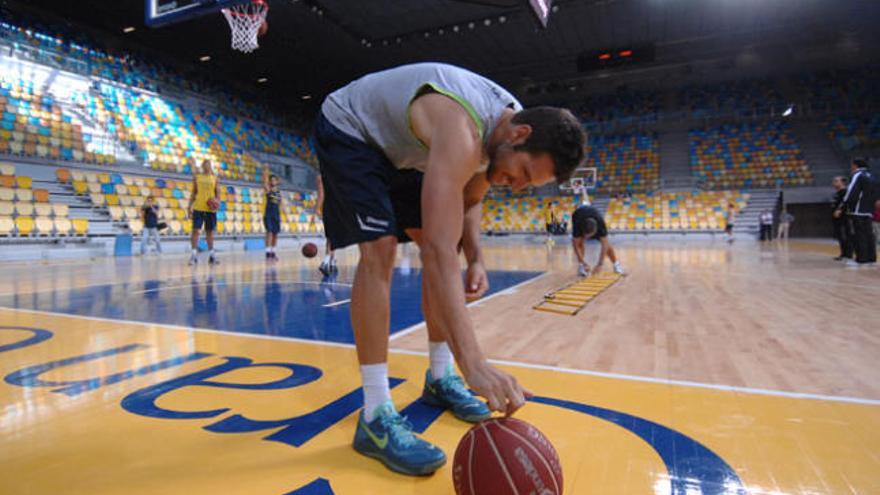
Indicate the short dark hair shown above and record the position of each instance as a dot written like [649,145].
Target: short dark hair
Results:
[272,176]
[555,131]
[860,163]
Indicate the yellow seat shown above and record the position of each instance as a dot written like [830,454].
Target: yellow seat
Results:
[111,199]
[7,225]
[23,182]
[80,187]
[24,226]
[81,226]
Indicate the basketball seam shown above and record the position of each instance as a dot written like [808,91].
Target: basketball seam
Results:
[538,452]
[471,463]
[500,459]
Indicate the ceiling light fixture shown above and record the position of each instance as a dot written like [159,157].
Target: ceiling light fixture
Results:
[205,58]
[262,80]
[306,97]
[502,19]
[128,29]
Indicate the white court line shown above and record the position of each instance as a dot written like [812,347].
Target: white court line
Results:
[337,303]
[665,381]
[601,374]
[510,290]
[222,284]
[187,329]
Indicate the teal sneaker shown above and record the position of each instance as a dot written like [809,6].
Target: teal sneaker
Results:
[390,439]
[450,393]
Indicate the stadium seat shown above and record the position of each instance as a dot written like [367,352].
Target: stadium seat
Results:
[7,194]
[63,175]
[24,226]
[24,208]
[7,169]
[60,209]
[44,226]
[135,225]
[41,195]
[24,195]
[62,226]
[7,226]
[7,181]
[42,210]
[23,182]
[6,208]
[80,226]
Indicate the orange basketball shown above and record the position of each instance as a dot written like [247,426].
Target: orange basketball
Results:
[263,28]
[506,456]
[309,250]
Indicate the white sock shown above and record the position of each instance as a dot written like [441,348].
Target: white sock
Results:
[376,390]
[195,252]
[211,253]
[441,359]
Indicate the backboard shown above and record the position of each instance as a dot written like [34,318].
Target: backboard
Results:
[159,13]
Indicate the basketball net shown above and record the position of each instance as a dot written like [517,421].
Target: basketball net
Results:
[245,21]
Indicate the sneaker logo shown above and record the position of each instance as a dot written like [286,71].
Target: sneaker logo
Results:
[380,442]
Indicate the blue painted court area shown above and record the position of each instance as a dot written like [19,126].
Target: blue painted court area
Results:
[277,303]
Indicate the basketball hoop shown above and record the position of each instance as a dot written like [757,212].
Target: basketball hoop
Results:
[245,21]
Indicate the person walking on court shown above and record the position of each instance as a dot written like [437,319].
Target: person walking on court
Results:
[858,204]
[150,220]
[271,212]
[785,220]
[202,208]
[839,222]
[587,223]
[328,265]
[375,138]
[729,217]
[766,220]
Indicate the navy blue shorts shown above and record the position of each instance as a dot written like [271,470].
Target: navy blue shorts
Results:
[272,223]
[365,196]
[208,218]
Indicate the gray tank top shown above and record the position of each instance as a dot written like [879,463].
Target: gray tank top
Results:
[375,108]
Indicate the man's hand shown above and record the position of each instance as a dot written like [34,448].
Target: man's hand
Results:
[476,281]
[597,268]
[501,390]
[189,211]
[838,213]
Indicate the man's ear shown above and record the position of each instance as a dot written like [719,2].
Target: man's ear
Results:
[520,134]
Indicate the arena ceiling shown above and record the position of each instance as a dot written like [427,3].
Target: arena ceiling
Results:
[314,46]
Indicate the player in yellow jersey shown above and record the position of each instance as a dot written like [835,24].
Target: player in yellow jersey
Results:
[202,208]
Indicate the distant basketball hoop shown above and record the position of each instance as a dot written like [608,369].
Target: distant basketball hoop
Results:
[580,183]
[246,21]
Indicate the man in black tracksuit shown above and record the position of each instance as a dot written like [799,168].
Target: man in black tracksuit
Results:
[840,222]
[858,202]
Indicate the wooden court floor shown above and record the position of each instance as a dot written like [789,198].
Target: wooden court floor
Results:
[708,369]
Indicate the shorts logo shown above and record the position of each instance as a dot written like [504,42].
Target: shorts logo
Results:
[370,220]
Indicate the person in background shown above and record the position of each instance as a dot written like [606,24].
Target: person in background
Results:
[271,212]
[766,220]
[728,221]
[877,221]
[858,205]
[587,223]
[205,188]
[785,219]
[150,218]
[328,265]
[550,220]
[840,223]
